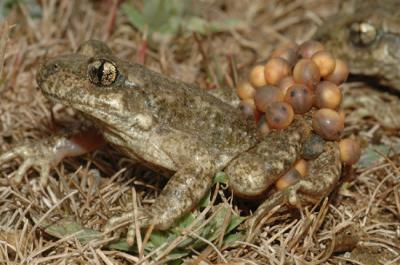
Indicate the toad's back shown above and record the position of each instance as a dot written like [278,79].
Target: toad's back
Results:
[188,109]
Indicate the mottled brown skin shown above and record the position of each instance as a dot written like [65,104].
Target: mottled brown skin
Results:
[174,128]
[255,170]
[379,56]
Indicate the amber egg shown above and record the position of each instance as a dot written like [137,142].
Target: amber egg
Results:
[285,83]
[327,95]
[309,48]
[328,124]
[306,72]
[287,180]
[325,61]
[287,53]
[256,76]
[350,151]
[302,167]
[275,69]
[300,98]
[266,95]
[245,90]
[339,74]
[279,115]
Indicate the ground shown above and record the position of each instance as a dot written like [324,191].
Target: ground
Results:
[215,45]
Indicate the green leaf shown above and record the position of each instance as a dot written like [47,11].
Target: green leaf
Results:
[122,245]
[236,220]
[196,24]
[205,201]
[373,154]
[220,177]
[175,262]
[134,16]
[68,226]
[8,5]
[172,16]
[224,25]
[186,220]
[230,239]
[158,238]
[33,7]
[175,257]
[155,14]
[213,230]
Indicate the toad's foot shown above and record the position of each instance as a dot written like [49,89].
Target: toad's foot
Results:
[182,192]
[48,153]
[322,178]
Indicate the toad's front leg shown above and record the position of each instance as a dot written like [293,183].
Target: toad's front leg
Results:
[324,173]
[183,192]
[48,153]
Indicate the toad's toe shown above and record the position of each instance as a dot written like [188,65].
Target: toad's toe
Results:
[33,155]
[23,168]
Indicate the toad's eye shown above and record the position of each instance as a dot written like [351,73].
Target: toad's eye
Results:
[102,72]
[362,34]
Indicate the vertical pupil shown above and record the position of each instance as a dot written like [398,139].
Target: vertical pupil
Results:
[100,72]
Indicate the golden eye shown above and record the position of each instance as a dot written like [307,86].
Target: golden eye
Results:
[362,34]
[102,72]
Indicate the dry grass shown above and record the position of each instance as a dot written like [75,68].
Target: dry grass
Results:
[365,209]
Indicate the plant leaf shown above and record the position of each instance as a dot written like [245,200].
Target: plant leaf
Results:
[172,16]
[373,154]
[220,177]
[68,226]
[134,16]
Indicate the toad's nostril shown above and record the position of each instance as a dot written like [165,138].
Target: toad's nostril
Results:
[52,68]
[46,71]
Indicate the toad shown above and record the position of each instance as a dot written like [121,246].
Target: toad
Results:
[366,34]
[174,128]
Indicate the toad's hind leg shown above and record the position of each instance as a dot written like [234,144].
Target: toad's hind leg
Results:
[253,172]
[323,176]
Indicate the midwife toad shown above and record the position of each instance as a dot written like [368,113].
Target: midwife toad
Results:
[175,128]
[366,34]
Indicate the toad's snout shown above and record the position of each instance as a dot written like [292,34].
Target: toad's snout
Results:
[45,71]
[65,69]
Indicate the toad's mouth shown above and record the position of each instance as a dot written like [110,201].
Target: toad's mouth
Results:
[49,91]
[105,111]
[378,82]
[50,96]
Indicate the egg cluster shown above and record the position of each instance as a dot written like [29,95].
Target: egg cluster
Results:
[295,79]
[298,79]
